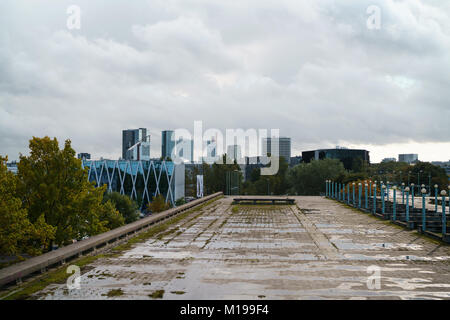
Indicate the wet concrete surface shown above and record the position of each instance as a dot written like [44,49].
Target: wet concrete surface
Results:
[316,249]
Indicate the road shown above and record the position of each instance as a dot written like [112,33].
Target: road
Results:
[318,249]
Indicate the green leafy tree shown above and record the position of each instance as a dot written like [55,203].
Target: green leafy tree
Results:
[108,213]
[122,203]
[17,234]
[158,204]
[180,201]
[309,178]
[52,183]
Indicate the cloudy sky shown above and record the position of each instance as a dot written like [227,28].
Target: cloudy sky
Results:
[312,69]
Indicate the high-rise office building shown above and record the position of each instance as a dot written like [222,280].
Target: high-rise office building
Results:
[167,143]
[281,145]
[84,156]
[135,144]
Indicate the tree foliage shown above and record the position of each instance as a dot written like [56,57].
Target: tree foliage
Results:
[309,178]
[52,183]
[122,203]
[158,204]
[17,234]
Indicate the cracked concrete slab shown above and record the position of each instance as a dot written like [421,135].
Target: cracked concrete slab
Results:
[317,249]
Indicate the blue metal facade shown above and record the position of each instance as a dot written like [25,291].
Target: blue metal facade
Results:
[140,180]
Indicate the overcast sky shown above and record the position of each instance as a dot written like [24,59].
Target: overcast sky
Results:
[312,69]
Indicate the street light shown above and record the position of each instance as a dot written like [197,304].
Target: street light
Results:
[444,221]
[407,203]
[394,208]
[412,196]
[424,191]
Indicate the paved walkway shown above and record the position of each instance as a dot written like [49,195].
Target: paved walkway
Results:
[318,250]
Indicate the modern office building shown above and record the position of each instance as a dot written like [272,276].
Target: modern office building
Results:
[140,180]
[280,146]
[347,156]
[135,144]
[408,158]
[167,143]
[84,156]
[185,150]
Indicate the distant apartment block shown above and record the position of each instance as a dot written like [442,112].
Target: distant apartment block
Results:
[408,158]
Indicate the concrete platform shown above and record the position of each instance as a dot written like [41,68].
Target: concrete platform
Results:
[316,249]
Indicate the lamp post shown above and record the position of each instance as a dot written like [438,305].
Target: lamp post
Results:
[412,196]
[409,173]
[348,193]
[332,189]
[403,193]
[394,208]
[359,195]
[407,203]
[336,190]
[366,196]
[382,198]
[424,192]
[375,197]
[435,197]
[444,221]
[387,190]
[354,202]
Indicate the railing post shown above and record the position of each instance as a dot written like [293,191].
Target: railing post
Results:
[339,192]
[348,193]
[367,195]
[359,195]
[343,192]
[435,197]
[387,190]
[354,201]
[424,191]
[407,203]
[374,198]
[444,220]
[412,196]
[382,199]
[394,208]
[403,193]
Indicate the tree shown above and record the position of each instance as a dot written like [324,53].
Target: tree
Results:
[309,178]
[158,204]
[108,213]
[122,203]
[180,201]
[52,183]
[17,234]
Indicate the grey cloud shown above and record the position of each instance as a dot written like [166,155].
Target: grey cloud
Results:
[312,69]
